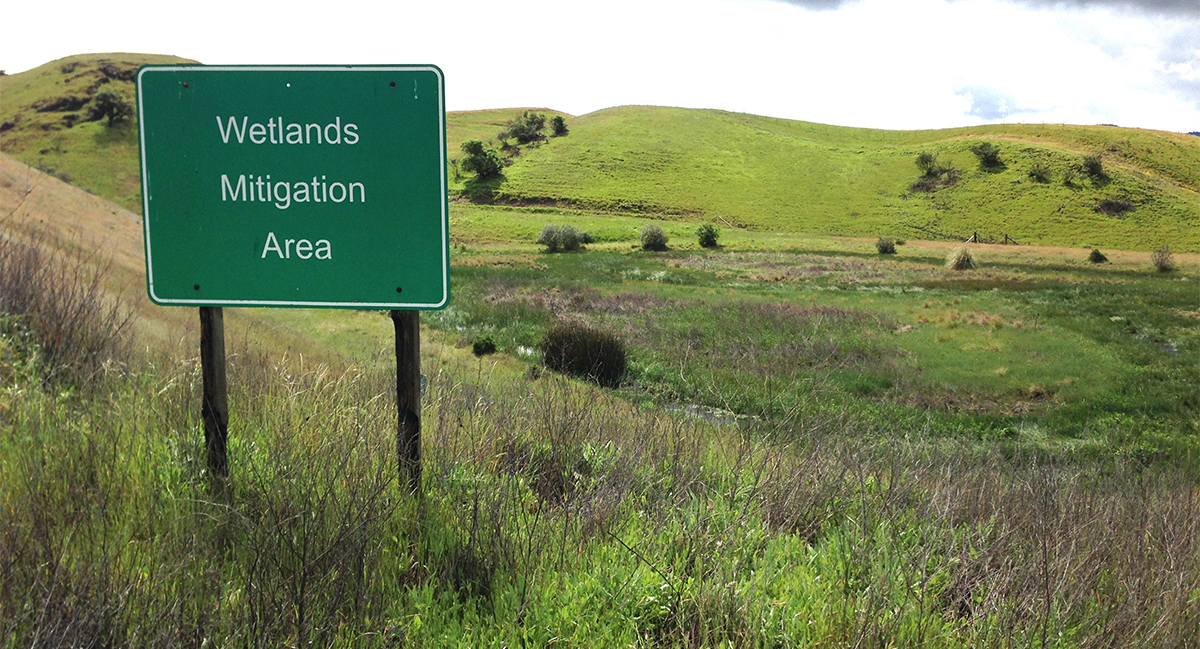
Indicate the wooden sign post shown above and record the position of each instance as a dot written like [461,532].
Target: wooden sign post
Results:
[214,406]
[408,396]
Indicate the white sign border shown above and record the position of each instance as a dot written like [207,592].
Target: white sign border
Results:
[297,68]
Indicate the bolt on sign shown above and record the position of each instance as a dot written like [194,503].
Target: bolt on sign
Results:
[295,186]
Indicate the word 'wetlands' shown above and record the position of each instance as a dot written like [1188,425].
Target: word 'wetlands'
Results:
[276,132]
[303,248]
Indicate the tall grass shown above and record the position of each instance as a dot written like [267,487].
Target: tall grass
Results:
[553,512]
[53,305]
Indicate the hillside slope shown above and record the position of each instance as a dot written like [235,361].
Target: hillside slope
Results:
[43,112]
[781,175]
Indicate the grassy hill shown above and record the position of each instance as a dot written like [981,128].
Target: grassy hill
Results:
[781,175]
[44,112]
[759,174]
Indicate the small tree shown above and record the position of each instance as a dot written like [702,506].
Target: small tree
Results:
[481,161]
[708,235]
[653,238]
[559,126]
[1097,257]
[527,128]
[885,246]
[988,154]
[111,105]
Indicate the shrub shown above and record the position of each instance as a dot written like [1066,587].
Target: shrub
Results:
[1097,257]
[586,238]
[559,126]
[933,173]
[1069,177]
[481,161]
[1040,173]
[1163,260]
[579,350]
[527,127]
[1114,207]
[707,235]
[960,259]
[900,242]
[57,305]
[988,154]
[885,246]
[483,345]
[653,238]
[563,238]
[111,105]
[1092,166]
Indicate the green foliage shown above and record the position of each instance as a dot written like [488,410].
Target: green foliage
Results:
[1093,167]
[562,238]
[587,352]
[483,345]
[483,162]
[558,126]
[526,128]
[707,235]
[653,238]
[885,246]
[1039,173]
[927,163]
[934,174]
[110,105]
[988,154]
[961,259]
[1097,257]
[1162,259]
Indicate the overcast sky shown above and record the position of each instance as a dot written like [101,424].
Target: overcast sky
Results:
[902,64]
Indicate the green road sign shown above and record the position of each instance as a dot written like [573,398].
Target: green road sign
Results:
[316,186]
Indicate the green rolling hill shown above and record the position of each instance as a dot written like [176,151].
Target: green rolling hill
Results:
[757,173]
[781,175]
[43,112]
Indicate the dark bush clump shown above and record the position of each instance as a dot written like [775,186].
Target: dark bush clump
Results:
[1039,173]
[1163,260]
[481,161]
[558,126]
[526,128]
[1097,257]
[708,235]
[1092,166]
[988,154]
[579,350]
[109,105]
[483,345]
[885,246]
[653,238]
[934,174]
[1114,207]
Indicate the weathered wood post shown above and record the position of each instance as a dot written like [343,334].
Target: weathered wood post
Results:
[214,408]
[408,396]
